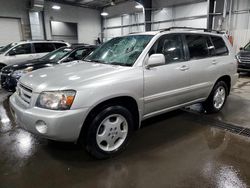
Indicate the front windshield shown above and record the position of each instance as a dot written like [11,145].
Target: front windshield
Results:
[57,54]
[120,51]
[247,47]
[7,47]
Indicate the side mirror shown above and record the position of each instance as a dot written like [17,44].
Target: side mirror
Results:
[241,48]
[156,60]
[12,53]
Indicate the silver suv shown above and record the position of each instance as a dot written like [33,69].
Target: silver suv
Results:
[19,52]
[101,101]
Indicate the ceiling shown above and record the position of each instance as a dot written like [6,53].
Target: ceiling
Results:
[96,4]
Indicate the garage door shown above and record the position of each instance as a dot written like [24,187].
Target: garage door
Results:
[10,31]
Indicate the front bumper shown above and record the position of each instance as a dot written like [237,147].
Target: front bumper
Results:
[61,125]
[244,67]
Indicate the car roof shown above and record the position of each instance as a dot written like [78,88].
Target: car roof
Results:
[39,41]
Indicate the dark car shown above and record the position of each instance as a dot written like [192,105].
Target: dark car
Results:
[11,74]
[244,59]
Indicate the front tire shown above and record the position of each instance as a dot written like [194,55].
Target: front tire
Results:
[109,131]
[217,98]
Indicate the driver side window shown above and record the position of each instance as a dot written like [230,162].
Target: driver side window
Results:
[171,47]
[21,49]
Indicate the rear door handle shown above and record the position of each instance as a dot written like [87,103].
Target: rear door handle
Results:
[184,68]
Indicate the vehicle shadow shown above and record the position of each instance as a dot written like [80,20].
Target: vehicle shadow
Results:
[154,133]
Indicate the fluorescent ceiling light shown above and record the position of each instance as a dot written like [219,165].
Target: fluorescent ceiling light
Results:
[104,14]
[56,7]
[139,6]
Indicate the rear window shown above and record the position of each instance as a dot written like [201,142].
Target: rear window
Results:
[44,47]
[59,45]
[199,46]
[219,46]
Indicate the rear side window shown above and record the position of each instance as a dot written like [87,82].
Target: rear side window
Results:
[219,46]
[59,45]
[199,46]
[44,47]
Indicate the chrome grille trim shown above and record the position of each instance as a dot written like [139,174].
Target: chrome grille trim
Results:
[244,59]
[24,92]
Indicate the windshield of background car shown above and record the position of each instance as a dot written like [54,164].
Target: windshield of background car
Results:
[57,54]
[122,51]
[7,47]
[247,47]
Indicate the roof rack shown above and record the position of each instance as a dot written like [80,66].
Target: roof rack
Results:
[193,28]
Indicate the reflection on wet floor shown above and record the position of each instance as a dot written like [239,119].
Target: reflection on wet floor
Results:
[177,149]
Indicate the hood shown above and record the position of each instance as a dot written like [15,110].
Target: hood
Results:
[34,64]
[244,53]
[68,76]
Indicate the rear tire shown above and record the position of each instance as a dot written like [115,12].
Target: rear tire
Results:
[108,132]
[217,98]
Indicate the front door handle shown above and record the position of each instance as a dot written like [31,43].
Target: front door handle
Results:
[184,68]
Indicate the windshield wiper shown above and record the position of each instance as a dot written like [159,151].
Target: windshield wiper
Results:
[121,64]
[95,61]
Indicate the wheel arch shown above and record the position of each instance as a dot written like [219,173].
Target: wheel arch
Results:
[126,101]
[227,80]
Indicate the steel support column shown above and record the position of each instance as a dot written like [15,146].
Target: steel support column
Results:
[147,12]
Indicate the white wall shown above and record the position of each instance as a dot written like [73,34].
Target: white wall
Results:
[131,23]
[181,16]
[239,27]
[17,9]
[88,20]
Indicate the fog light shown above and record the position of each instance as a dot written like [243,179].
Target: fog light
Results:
[41,127]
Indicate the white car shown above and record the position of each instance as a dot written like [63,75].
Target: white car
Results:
[101,101]
[22,51]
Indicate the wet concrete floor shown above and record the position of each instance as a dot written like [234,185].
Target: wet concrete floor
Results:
[177,149]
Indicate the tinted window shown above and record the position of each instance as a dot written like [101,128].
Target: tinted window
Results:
[44,47]
[59,45]
[22,49]
[78,54]
[172,48]
[219,45]
[199,46]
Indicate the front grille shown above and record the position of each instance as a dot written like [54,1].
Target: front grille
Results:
[24,92]
[245,59]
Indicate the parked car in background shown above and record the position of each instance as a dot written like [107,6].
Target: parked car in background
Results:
[19,52]
[101,102]
[11,74]
[244,59]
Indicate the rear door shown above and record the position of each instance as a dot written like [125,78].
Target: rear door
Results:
[42,48]
[202,63]
[167,86]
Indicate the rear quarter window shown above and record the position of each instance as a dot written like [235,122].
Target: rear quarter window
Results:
[219,46]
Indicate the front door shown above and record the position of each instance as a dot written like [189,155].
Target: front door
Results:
[167,85]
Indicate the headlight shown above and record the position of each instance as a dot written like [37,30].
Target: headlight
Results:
[56,100]
[18,73]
